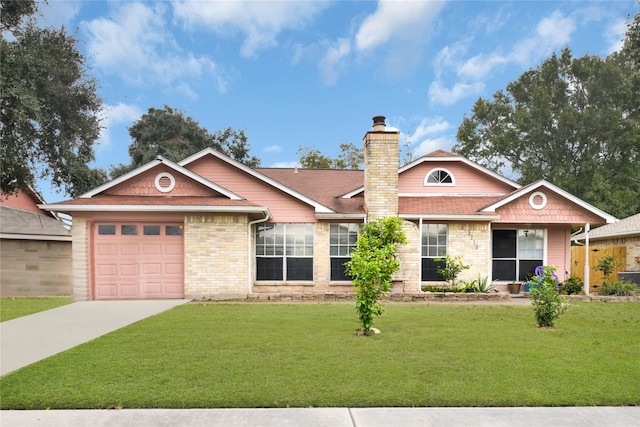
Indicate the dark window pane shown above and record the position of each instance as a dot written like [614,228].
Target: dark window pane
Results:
[504,270]
[430,270]
[151,230]
[299,268]
[107,229]
[527,269]
[338,269]
[173,230]
[504,244]
[129,230]
[269,268]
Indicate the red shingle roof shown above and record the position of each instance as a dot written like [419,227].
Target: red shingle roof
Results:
[157,201]
[444,205]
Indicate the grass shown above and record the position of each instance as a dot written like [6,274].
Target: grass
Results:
[255,355]
[11,308]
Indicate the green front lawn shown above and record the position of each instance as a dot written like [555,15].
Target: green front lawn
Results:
[301,355]
[11,308]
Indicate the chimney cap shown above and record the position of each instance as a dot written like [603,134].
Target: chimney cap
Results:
[379,120]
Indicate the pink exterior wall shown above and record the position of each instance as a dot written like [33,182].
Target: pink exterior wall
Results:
[559,250]
[556,211]
[467,180]
[144,185]
[22,201]
[283,208]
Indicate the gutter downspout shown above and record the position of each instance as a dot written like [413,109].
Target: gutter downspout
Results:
[267,217]
[587,227]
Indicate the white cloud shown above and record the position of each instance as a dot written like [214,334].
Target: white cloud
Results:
[334,61]
[291,164]
[440,95]
[260,23]
[552,32]
[481,65]
[135,44]
[114,115]
[428,145]
[396,19]
[615,35]
[272,149]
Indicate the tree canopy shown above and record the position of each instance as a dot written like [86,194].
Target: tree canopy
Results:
[350,157]
[572,121]
[171,134]
[49,107]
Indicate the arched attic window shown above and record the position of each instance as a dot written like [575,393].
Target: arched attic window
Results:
[439,176]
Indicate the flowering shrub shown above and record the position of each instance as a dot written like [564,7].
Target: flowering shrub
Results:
[547,303]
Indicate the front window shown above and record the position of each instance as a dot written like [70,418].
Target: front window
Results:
[516,254]
[434,245]
[284,252]
[342,240]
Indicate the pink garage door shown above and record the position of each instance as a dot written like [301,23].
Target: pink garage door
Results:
[138,261]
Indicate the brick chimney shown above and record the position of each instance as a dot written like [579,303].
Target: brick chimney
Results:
[381,162]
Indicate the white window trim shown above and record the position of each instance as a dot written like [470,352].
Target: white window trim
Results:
[171,185]
[439,184]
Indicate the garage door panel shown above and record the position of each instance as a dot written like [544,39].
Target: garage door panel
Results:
[129,270]
[151,268]
[107,270]
[173,269]
[145,265]
[129,290]
[173,248]
[151,249]
[129,249]
[105,249]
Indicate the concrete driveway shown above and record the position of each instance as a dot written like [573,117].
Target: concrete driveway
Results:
[27,339]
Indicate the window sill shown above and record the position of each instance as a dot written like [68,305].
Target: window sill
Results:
[283,283]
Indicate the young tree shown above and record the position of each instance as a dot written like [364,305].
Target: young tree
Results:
[169,133]
[49,106]
[571,121]
[372,264]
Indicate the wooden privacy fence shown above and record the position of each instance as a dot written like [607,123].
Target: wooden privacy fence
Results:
[595,255]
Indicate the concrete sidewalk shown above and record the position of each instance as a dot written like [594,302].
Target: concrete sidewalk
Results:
[27,339]
[330,417]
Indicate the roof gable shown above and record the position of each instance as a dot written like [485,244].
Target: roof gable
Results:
[547,203]
[126,183]
[255,175]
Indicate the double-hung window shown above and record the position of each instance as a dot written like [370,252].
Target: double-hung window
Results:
[434,245]
[284,252]
[342,240]
[516,254]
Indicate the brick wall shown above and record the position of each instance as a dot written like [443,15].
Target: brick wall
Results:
[381,162]
[216,256]
[35,268]
[80,260]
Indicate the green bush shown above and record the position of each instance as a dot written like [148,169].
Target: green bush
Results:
[372,264]
[449,268]
[572,286]
[617,288]
[547,303]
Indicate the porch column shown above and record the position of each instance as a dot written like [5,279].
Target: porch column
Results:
[586,259]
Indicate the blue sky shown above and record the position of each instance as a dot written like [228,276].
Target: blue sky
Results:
[306,73]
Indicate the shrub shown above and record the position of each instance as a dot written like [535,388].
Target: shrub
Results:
[482,284]
[547,303]
[617,288]
[449,268]
[372,264]
[573,286]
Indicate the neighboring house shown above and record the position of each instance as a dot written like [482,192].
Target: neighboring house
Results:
[35,248]
[211,227]
[624,233]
